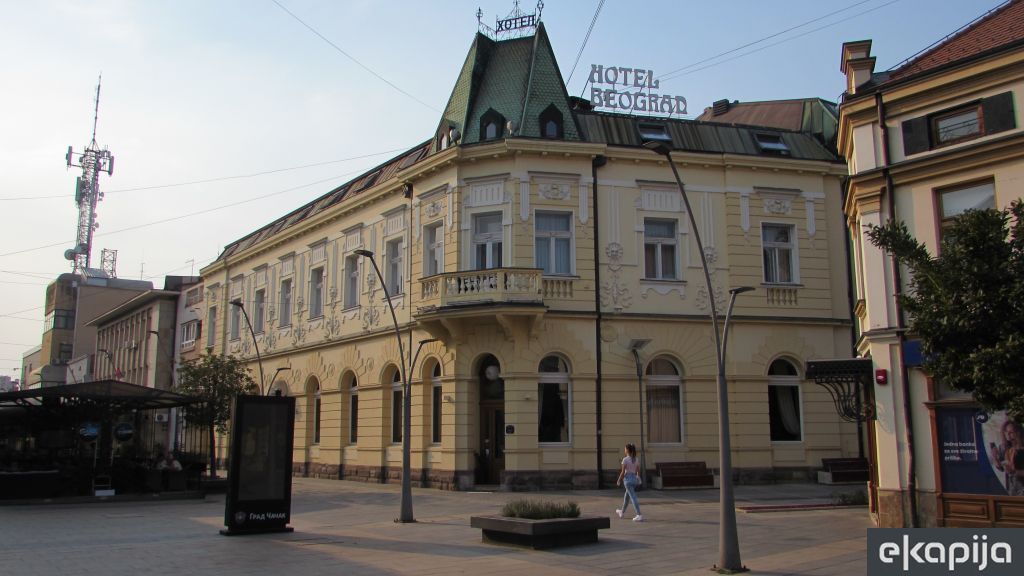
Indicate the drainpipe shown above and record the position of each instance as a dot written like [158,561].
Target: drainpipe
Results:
[596,163]
[844,189]
[901,336]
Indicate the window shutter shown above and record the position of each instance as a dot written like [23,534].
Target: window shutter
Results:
[998,113]
[199,329]
[915,135]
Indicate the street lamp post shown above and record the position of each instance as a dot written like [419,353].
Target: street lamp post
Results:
[728,539]
[635,345]
[259,361]
[405,515]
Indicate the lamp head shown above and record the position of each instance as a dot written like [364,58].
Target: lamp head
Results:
[237,303]
[658,147]
[428,340]
[741,289]
[364,253]
[638,344]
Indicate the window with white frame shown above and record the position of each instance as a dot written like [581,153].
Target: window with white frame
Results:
[211,326]
[435,405]
[553,406]
[235,325]
[351,281]
[664,402]
[779,244]
[396,407]
[395,266]
[316,293]
[353,412]
[784,413]
[189,333]
[553,243]
[487,238]
[433,249]
[286,303]
[259,307]
[660,249]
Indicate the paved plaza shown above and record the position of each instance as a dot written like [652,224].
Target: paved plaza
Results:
[347,528]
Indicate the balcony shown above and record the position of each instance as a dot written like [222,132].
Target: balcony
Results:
[494,285]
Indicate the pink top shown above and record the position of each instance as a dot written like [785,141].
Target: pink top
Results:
[632,465]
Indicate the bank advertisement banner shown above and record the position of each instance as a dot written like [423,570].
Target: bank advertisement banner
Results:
[979,452]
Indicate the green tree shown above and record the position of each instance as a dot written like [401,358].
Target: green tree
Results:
[217,379]
[967,304]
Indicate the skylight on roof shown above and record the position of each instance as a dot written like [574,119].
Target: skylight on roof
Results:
[771,144]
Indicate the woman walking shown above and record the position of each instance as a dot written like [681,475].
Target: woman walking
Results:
[630,476]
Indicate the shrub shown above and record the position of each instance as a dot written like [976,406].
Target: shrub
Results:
[540,509]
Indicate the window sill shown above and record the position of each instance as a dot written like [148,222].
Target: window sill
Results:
[662,281]
[786,442]
[554,444]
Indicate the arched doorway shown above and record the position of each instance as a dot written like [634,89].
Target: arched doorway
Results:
[491,455]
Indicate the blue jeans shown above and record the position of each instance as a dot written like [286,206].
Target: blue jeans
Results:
[630,481]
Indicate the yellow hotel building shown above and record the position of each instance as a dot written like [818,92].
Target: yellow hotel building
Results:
[525,245]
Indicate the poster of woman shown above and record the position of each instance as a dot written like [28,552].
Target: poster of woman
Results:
[1004,446]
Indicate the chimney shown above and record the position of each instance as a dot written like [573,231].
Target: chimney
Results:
[720,107]
[857,64]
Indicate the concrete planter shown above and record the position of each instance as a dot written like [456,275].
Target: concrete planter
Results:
[540,534]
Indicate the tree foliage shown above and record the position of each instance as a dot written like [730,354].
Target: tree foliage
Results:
[967,304]
[217,379]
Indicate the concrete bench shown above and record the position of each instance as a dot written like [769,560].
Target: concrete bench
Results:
[843,471]
[683,475]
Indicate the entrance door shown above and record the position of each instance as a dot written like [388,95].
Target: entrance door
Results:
[492,442]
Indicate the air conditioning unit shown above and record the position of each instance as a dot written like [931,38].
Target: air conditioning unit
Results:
[160,418]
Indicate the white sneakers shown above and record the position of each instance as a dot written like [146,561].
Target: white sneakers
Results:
[637,518]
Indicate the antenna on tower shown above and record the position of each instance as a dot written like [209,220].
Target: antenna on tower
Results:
[92,161]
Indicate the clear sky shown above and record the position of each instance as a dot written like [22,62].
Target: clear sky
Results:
[201,96]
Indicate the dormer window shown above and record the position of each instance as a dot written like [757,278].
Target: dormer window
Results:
[551,123]
[771,144]
[492,125]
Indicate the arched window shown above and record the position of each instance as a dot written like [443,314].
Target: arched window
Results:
[664,402]
[353,411]
[435,404]
[551,125]
[396,406]
[492,125]
[313,410]
[553,400]
[784,404]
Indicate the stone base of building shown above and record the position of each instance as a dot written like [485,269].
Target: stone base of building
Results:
[893,509]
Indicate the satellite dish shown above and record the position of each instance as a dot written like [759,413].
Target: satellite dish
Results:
[492,372]
[454,135]
[511,127]
[69,254]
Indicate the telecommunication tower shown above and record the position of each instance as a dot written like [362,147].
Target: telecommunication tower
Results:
[92,161]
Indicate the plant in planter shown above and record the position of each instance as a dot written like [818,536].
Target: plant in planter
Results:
[540,524]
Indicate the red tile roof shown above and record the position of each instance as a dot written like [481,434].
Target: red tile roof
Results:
[998,27]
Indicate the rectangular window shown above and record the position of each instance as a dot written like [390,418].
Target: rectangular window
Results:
[64,355]
[955,201]
[553,243]
[433,247]
[286,303]
[396,415]
[660,252]
[351,281]
[353,419]
[211,326]
[259,306]
[554,411]
[435,414]
[961,124]
[235,326]
[779,244]
[784,412]
[59,320]
[487,239]
[189,333]
[771,144]
[316,293]
[395,266]
[664,414]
